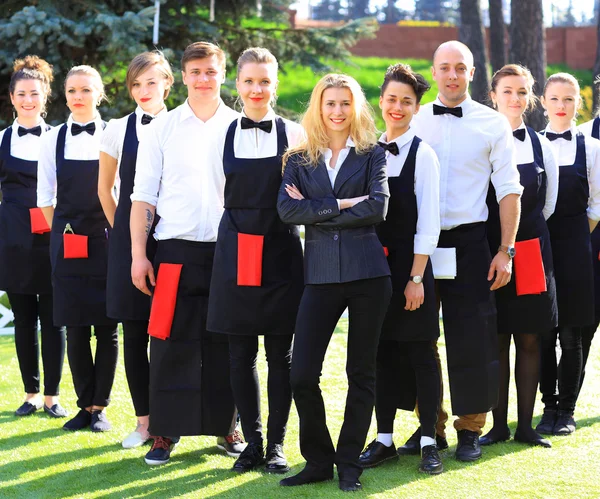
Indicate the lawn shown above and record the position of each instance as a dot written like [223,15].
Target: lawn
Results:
[38,459]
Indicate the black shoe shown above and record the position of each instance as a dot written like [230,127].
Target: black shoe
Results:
[493,438]
[307,476]
[412,447]
[468,448]
[375,454]
[160,453]
[275,462]
[534,439]
[546,424]
[442,443]
[81,420]
[565,423]
[350,485]
[431,462]
[233,444]
[56,411]
[251,457]
[27,409]
[99,421]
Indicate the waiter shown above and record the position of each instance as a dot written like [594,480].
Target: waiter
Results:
[474,145]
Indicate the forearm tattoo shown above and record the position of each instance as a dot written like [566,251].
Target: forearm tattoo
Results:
[149,220]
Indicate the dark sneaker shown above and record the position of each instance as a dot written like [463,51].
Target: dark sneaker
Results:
[546,424]
[56,411]
[350,485]
[442,443]
[468,448]
[565,423]
[81,420]
[412,447]
[275,461]
[99,421]
[160,453]
[252,457]
[431,462]
[232,444]
[375,454]
[27,409]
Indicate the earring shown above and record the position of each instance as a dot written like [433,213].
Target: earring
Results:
[545,112]
[44,114]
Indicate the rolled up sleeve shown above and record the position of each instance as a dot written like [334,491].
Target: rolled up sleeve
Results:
[505,175]
[148,168]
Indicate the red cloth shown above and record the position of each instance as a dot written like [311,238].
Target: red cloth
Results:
[250,254]
[386,252]
[530,277]
[75,246]
[38,221]
[164,300]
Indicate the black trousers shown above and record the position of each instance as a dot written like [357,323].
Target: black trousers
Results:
[93,376]
[246,391]
[587,335]
[137,366]
[420,355]
[567,372]
[27,309]
[320,309]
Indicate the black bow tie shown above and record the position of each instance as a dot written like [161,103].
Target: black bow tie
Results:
[565,135]
[36,130]
[392,147]
[265,126]
[146,118]
[455,111]
[519,134]
[77,129]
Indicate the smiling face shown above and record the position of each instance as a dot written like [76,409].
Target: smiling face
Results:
[256,84]
[398,105]
[148,89]
[203,78]
[336,109]
[452,70]
[82,97]
[28,99]
[561,101]
[511,96]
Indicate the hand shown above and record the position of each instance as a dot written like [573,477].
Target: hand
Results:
[415,296]
[141,268]
[501,266]
[350,202]
[293,192]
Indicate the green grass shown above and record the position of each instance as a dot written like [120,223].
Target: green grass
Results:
[38,459]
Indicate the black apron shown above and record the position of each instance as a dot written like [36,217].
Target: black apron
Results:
[596,240]
[397,233]
[79,284]
[123,300]
[24,257]
[251,190]
[190,391]
[528,313]
[571,245]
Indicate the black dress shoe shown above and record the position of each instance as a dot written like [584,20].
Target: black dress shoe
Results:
[350,485]
[81,420]
[376,453]
[56,411]
[307,476]
[251,457]
[442,443]
[468,448]
[27,409]
[431,462]
[546,424]
[535,439]
[275,462]
[412,447]
[492,438]
[565,424]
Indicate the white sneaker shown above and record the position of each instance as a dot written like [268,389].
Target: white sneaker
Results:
[136,438]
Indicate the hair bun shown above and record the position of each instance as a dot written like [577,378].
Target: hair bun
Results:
[34,63]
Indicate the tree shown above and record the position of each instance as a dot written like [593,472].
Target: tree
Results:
[358,9]
[497,32]
[471,34]
[528,48]
[429,10]
[328,10]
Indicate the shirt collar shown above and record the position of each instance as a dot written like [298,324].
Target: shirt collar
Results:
[188,112]
[327,153]
[97,120]
[466,104]
[41,124]
[402,140]
[522,125]
[139,112]
[572,128]
[269,116]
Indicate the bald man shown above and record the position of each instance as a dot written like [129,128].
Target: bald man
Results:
[474,145]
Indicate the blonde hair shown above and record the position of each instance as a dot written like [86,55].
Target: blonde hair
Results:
[144,61]
[256,55]
[517,70]
[202,50]
[568,79]
[93,74]
[362,126]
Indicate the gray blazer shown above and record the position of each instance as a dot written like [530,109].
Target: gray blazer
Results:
[341,246]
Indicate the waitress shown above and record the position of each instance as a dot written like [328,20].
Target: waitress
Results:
[575,217]
[24,247]
[149,79]
[523,314]
[67,192]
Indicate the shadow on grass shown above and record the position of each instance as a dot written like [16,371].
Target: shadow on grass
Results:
[21,440]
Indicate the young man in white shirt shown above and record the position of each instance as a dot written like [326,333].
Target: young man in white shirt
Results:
[179,176]
[474,145]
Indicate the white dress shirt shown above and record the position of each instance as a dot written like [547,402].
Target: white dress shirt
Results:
[427,189]
[83,147]
[180,171]
[524,152]
[471,150]
[333,171]
[565,152]
[586,128]
[26,147]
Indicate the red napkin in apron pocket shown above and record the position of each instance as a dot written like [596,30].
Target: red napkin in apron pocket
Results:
[250,254]
[38,221]
[164,300]
[530,277]
[386,251]
[74,245]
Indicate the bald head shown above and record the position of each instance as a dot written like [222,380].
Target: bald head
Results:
[451,49]
[452,70]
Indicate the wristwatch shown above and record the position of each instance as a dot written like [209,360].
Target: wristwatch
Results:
[417,279]
[509,250]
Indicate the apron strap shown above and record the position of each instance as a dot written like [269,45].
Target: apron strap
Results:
[411,158]
[538,155]
[580,158]
[282,142]
[60,145]
[131,129]
[6,140]
[596,128]
[228,152]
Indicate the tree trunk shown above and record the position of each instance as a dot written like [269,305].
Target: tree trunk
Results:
[597,65]
[389,13]
[528,48]
[497,45]
[471,34]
